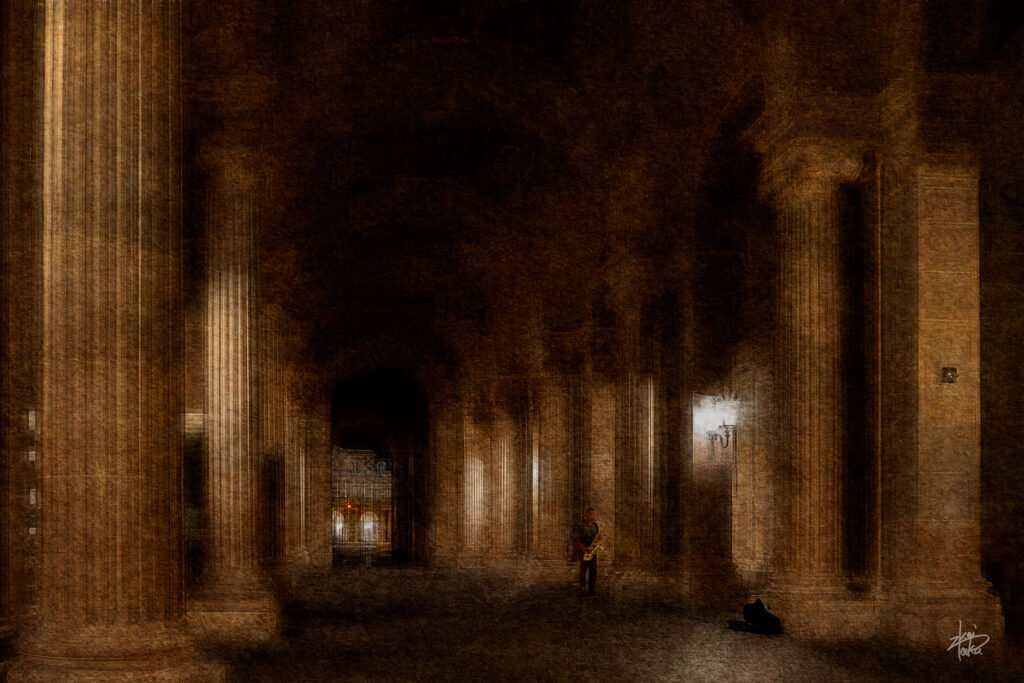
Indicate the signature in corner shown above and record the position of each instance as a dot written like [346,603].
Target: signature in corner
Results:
[964,643]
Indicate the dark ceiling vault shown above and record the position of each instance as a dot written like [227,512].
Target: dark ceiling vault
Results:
[440,172]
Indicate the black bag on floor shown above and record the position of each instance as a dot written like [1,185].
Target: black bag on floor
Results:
[757,619]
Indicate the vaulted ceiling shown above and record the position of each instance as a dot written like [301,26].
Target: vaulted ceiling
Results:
[445,171]
[444,177]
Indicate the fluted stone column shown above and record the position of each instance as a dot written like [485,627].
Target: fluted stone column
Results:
[298,467]
[297,435]
[273,424]
[580,463]
[602,458]
[285,427]
[449,475]
[522,467]
[315,464]
[110,502]
[804,180]
[554,476]
[504,503]
[637,503]
[296,487]
[477,484]
[809,358]
[509,472]
[234,600]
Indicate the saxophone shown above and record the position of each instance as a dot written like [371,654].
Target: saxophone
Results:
[595,546]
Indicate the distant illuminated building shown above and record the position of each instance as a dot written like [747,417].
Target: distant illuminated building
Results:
[361,493]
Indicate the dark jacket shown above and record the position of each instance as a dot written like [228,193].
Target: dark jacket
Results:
[584,535]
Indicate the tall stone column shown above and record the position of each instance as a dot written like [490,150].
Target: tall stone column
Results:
[522,449]
[554,475]
[637,501]
[636,513]
[504,503]
[110,501]
[602,458]
[273,425]
[315,475]
[447,451]
[805,178]
[234,600]
[479,494]
[298,429]
[297,490]
[577,386]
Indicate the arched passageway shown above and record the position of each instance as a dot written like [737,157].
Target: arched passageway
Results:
[379,470]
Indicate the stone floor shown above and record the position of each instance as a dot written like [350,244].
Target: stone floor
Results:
[387,624]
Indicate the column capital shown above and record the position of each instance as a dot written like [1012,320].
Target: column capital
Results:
[809,166]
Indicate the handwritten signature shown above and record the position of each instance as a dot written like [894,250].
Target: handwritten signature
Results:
[964,643]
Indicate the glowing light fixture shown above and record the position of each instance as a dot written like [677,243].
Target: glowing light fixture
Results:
[716,418]
[725,412]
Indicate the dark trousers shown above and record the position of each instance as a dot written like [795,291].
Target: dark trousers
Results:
[588,575]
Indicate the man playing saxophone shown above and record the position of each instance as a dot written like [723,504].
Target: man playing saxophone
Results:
[585,539]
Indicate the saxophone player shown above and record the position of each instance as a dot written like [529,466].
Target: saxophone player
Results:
[585,539]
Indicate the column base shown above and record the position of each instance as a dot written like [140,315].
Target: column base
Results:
[931,615]
[136,652]
[825,608]
[300,558]
[8,649]
[235,611]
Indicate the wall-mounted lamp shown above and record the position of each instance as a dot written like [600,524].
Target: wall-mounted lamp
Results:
[721,434]
[724,413]
[716,418]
